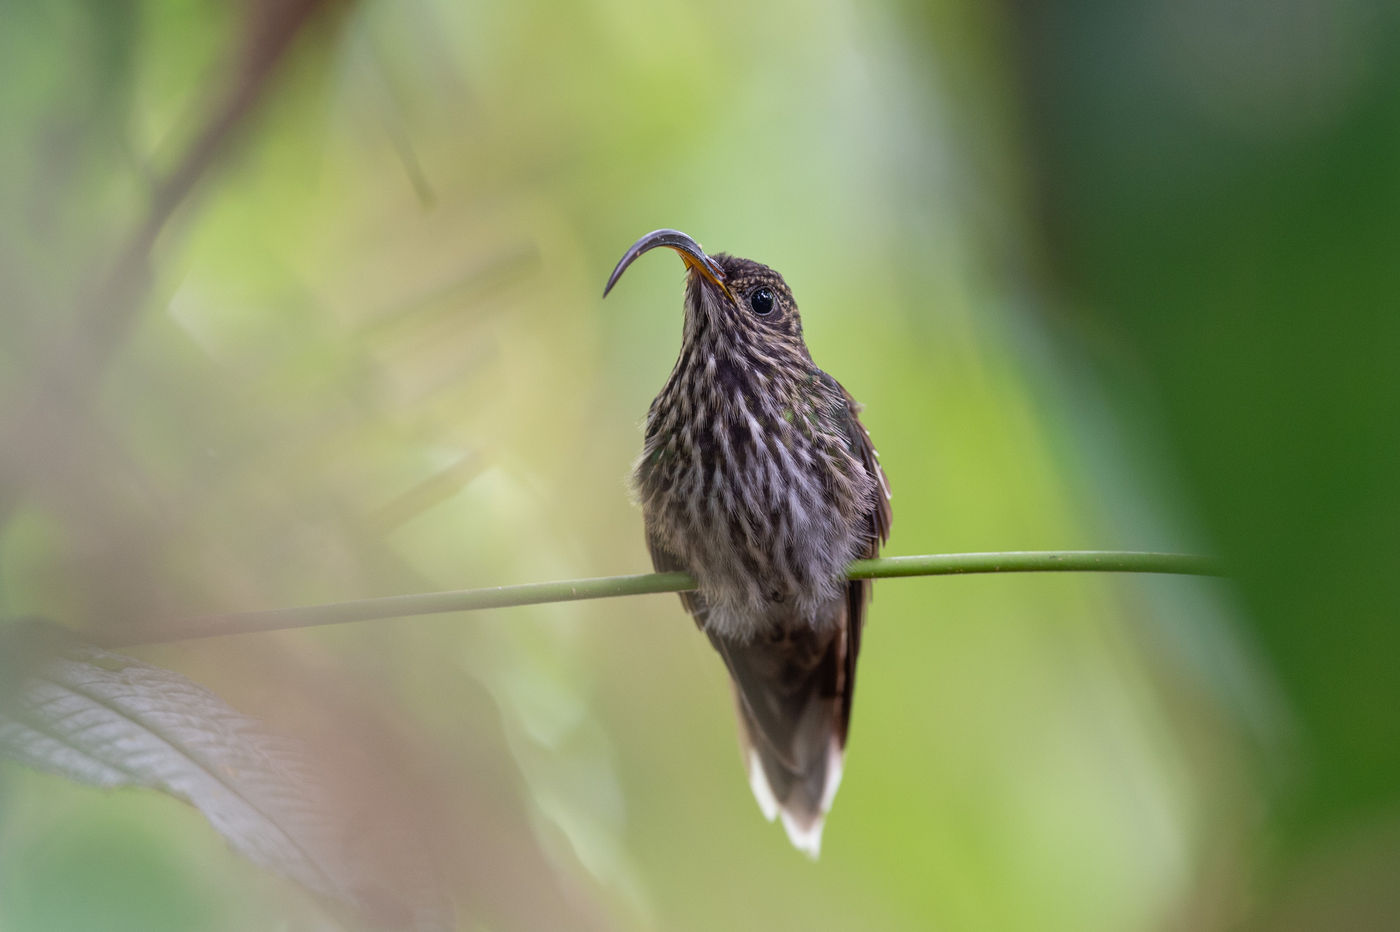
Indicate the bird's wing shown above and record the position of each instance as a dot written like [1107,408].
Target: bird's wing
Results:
[877,521]
[859,442]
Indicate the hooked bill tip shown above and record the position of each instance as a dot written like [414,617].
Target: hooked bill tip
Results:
[689,250]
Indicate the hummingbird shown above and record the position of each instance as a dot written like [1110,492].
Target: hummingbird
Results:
[757,478]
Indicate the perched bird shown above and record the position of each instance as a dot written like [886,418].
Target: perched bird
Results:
[759,480]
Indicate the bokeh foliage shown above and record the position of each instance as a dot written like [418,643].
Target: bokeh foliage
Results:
[1222,215]
[1108,276]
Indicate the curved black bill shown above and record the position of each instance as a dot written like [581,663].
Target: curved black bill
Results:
[690,252]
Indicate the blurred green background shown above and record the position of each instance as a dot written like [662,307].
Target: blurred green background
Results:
[301,303]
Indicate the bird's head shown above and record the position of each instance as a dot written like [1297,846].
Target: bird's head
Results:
[728,300]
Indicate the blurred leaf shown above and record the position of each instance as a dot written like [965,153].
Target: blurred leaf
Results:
[105,719]
[1218,205]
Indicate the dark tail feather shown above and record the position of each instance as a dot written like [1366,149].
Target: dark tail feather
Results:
[791,694]
[798,786]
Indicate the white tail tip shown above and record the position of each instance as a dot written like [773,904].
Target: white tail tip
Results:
[762,792]
[807,839]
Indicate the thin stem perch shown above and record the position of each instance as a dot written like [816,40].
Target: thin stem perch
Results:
[465,600]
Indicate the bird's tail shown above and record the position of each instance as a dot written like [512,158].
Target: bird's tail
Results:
[798,786]
[792,695]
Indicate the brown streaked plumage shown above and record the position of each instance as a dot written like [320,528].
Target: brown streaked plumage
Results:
[758,478]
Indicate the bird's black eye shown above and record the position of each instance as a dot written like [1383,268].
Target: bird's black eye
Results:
[761,300]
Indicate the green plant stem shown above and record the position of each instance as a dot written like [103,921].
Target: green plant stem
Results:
[1034,561]
[465,600]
